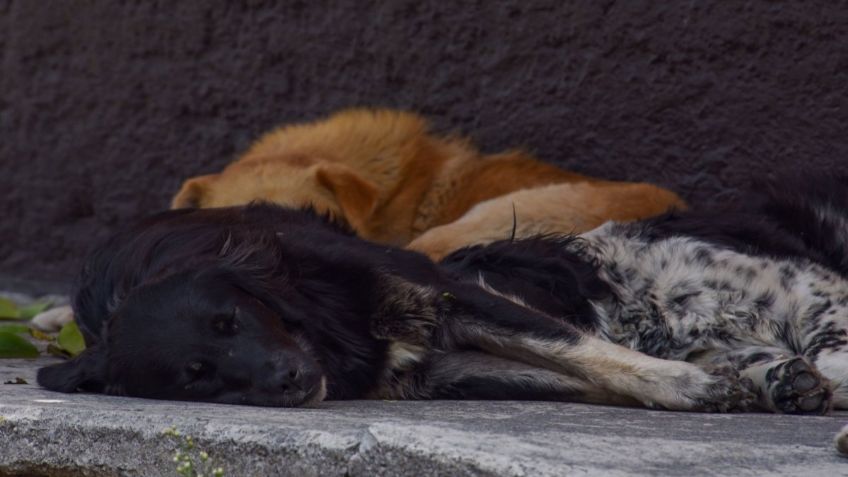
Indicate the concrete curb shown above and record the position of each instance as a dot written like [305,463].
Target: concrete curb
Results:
[45,433]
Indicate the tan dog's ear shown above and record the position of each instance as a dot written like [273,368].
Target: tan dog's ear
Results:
[356,196]
[192,191]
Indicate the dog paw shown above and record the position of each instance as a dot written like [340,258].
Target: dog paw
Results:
[53,319]
[796,387]
[728,392]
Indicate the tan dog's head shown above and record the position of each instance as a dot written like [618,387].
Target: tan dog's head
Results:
[291,180]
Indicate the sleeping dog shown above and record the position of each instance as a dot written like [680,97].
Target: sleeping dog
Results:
[268,306]
[762,288]
[387,175]
[271,306]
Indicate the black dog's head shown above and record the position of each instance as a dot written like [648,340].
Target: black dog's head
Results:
[202,336]
[257,305]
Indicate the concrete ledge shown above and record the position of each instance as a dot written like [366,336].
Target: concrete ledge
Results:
[45,433]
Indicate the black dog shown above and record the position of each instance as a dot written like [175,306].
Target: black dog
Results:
[269,306]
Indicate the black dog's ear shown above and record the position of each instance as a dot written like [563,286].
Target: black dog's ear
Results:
[85,372]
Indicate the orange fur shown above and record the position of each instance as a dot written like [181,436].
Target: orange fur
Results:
[553,209]
[383,173]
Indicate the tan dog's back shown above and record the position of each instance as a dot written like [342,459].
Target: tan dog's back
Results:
[385,174]
[375,143]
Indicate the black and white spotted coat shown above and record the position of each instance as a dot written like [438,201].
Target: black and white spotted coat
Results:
[678,297]
[761,286]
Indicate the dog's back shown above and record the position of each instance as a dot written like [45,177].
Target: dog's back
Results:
[368,167]
[379,144]
[815,209]
[804,217]
[383,172]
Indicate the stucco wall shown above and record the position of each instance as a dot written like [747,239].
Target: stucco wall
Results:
[106,105]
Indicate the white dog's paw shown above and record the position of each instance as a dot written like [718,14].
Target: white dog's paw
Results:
[53,319]
[841,441]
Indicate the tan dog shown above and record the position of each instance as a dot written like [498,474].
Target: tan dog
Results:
[383,173]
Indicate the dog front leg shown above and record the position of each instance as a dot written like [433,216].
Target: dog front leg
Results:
[475,318]
[478,375]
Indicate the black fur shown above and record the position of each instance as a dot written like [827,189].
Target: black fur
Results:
[320,283]
[308,298]
[782,220]
[541,271]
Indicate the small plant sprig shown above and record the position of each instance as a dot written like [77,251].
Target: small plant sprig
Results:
[14,323]
[18,338]
[191,461]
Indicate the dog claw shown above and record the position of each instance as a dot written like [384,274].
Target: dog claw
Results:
[730,392]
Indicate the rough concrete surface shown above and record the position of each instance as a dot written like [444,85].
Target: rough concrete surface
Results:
[106,106]
[46,433]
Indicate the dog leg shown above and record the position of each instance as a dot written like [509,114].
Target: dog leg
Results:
[503,328]
[476,375]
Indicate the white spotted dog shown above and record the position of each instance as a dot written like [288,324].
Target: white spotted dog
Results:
[762,288]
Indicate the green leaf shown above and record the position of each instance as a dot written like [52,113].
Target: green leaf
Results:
[70,339]
[8,310]
[28,312]
[14,328]
[13,346]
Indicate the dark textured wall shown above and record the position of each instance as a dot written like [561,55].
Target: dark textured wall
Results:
[106,105]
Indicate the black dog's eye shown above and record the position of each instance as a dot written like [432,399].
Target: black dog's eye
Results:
[226,324]
[198,369]
[195,367]
[197,372]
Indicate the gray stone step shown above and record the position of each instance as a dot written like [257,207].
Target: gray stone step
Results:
[46,433]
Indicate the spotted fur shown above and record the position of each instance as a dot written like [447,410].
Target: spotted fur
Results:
[751,288]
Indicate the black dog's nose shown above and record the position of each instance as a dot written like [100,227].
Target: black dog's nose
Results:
[291,379]
[285,377]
